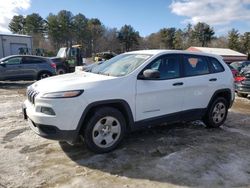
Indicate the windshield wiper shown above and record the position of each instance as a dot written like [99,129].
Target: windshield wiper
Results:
[102,73]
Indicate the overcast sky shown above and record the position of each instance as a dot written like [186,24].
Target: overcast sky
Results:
[146,16]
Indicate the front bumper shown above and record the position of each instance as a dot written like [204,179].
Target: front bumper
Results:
[242,88]
[49,131]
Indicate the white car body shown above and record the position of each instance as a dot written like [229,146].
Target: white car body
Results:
[146,99]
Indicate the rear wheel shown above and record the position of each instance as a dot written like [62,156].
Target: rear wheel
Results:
[61,70]
[216,113]
[242,94]
[104,130]
[43,75]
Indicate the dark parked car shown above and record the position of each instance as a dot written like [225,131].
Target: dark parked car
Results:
[103,56]
[245,69]
[234,71]
[25,67]
[239,65]
[242,85]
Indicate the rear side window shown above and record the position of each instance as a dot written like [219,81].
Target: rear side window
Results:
[216,65]
[33,60]
[195,65]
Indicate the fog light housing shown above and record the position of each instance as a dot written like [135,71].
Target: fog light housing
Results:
[48,111]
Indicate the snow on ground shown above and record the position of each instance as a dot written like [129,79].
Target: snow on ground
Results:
[179,155]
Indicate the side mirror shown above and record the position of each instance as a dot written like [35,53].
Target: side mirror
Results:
[149,74]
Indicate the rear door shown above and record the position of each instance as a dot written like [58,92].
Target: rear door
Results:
[200,84]
[30,67]
[163,96]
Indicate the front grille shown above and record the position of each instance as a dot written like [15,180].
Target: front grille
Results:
[31,94]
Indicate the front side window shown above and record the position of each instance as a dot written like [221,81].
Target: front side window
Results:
[121,65]
[168,66]
[13,61]
[195,65]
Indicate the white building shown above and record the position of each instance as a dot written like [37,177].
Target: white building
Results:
[10,44]
[227,54]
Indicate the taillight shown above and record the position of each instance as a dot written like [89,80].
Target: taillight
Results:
[53,65]
[240,78]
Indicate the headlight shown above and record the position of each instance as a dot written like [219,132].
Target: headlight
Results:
[63,94]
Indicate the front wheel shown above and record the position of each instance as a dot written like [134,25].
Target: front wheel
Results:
[104,130]
[216,113]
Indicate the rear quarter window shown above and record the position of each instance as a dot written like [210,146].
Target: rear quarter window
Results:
[216,65]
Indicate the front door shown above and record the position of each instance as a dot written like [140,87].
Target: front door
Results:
[163,96]
[11,68]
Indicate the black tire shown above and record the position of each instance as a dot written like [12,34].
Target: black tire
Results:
[216,113]
[244,95]
[43,75]
[94,136]
[61,70]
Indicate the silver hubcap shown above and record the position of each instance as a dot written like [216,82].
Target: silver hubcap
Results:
[45,75]
[219,112]
[106,132]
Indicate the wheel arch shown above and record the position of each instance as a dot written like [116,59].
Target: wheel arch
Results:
[119,104]
[225,93]
[43,71]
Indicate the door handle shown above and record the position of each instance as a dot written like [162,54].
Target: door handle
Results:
[213,79]
[178,84]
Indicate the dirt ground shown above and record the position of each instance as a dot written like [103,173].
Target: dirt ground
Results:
[187,155]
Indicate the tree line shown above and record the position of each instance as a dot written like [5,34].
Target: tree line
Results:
[66,29]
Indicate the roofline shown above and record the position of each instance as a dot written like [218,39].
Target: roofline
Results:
[199,49]
[234,55]
[15,35]
[25,56]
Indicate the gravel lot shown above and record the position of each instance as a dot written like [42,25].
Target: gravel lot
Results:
[165,156]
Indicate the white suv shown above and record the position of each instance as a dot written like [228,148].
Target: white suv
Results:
[130,91]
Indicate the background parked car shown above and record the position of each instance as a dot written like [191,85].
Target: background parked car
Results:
[239,65]
[245,69]
[103,56]
[234,71]
[25,67]
[242,85]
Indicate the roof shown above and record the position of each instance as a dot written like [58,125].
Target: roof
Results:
[149,52]
[42,57]
[217,51]
[15,35]
[160,51]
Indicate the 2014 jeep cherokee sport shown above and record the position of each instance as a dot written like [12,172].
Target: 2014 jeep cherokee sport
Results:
[127,92]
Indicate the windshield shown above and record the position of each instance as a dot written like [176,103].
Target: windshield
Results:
[61,53]
[121,65]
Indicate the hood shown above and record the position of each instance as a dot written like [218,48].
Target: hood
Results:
[73,81]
